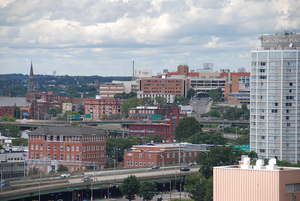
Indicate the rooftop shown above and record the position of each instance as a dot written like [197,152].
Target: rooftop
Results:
[65,130]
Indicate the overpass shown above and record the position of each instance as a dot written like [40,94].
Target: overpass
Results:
[102,181]
[40,123]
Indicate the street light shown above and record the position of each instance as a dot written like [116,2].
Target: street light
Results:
[56,196]
[39,190]
[163,163]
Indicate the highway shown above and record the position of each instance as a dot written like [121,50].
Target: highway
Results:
[102,180]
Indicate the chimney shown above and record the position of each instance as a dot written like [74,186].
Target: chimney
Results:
[9,95]
[133,72]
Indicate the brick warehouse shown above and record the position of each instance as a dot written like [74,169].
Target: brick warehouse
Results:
[161,154]
[167,131]
[67,144]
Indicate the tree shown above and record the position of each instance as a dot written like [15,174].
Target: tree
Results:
[217,156]
[130,187]
[62,168]
[207,138]
[148,101]
[214,113]
[19,142]
[241,140]
[154,138]
[198,187]
[181,100]
[160,100]
[130,103]
[81,110]
[215,94]
[65,116]
[54,110]
[10,130]
[147,190]
[186,128]
[190,93]
[17,113]
[8,117]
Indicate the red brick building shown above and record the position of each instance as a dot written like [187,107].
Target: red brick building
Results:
[67,144]
[50,96]
[99,107]
[167,131]
[161,154]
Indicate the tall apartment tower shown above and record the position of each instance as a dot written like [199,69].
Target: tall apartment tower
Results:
[275,97]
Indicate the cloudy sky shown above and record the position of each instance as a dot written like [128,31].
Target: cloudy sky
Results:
[103,37]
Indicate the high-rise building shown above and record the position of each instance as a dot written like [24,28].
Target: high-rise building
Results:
[275,98]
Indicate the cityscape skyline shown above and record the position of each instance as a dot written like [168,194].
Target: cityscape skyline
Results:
[87,37]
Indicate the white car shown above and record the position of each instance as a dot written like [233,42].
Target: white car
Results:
[65,175]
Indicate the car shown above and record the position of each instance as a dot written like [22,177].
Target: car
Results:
[191,164]
[184,169]
[65,175]
[155,167]
[87,179]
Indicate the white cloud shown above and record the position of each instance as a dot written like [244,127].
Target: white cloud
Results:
[90,37]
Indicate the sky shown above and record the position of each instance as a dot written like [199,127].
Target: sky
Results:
[104,37]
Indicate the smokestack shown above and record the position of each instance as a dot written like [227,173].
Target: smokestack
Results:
[133,72]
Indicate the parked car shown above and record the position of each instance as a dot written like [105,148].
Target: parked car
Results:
[87,179]
[65,175]
[155,167]
[184,169]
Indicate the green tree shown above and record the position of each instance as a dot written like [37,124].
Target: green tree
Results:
[198,187]
[147,190]
[17,113]
[207,138]
[154,138]
[240,140]
[10,130]
[62,168]
[81,110]
[217,156]
[16,90]
[130,187]
[160,100]
[8,117]
[214,113]
[215,94]
[148,101]
[186,128]
[65,116]
[130,103]
[190,93]
[181,100]
[19,142]
[245,107]
[54,110]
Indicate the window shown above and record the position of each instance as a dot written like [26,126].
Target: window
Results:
[173,155]
[168,155]
[262,54]
[48,146]
[41,146]
[72,157]
[77,157]
[68,147]
[140,163]
[254,54]
[36,155]
[275,55]
[41,155]
[136,163]
[54,147]
[140,155]
[77,148]
[32,146]
[61,157]
[61,147]
[149,156]
[54,157]
[72,147]
[36,147]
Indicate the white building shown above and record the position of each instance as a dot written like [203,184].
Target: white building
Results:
[169,97]
[275,98]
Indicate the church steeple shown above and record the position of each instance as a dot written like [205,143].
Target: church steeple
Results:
[30,86]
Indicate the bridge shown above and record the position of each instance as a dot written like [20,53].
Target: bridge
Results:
[40,123]
[103,183]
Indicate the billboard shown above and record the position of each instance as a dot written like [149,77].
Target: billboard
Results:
[280,40]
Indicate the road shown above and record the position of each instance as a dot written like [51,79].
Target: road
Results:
[199,106]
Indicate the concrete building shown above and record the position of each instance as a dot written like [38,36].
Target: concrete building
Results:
[98,107]
[129,86]
[208,82]
[67,144]
[274,112]
[168,97]
[67,107]
[143,73]
[259,183]
[108,90]
[235,92]
[161,154]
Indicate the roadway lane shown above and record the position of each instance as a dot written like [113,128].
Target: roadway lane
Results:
[199,106]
